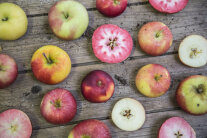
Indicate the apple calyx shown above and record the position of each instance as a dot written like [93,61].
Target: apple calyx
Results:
[49,60]
[194,52]
[66,15]
[127,113]
[112,43]
[200,89]
[13,128]
[178,134]
[57,103]
[116,2]
[5,19]
[158,77]
[99,83]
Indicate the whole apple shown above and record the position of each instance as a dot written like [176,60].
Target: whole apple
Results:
[8,70]
[191,95]
[153,80]
[13,21]
[97,86]
[58,106]
[111,8]
[90,129]
[155,38]
[68,19]
[51,64]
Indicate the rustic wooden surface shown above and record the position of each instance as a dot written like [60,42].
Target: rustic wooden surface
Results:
[26,93]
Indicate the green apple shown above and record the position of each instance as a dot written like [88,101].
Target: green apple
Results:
[13,21]
[68,19]
[192,94]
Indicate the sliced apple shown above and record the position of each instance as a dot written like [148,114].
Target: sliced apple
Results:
[128,114]
[193,51]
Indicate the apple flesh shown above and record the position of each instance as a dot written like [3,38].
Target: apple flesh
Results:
[68,19]
[191,95]
[155,38]
[58,106]
[15,124]
[13,21]
[8,70]
[90,129]
[97,86]
[111,8]
[153,80]
[51,64]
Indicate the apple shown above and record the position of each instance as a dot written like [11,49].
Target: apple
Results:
[8,70]
[191,95]
[51,64]
[155,38]
[58,106]
[153,80]
[97,86]
[111,8]
[13,21]
[68,19]
[193,51]
[176,127]
[15,124]
[128,114]
[90,129]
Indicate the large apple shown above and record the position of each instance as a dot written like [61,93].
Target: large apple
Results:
[192,95]
[8,70]
[15,124]
[90,129]
[97,86]
[50,64]
[13,21]
[153,80]
[68,19]
[111,8]
[155,38]
[58,106]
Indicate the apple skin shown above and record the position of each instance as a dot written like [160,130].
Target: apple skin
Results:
[52,72]
[155,38]
[58,106]
[8,71]
[68,19]
[153,80]
[90,129]
[13,21]
[188,98]
[111,8]
[97,86]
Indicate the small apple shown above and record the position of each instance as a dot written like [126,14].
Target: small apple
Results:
[15,124]
[153,80]
[155,38]
[128,114]
[97,86]
[50,64]
[13,21]
[192,95]
[111,8]
[68,19]
[58,106]
[176,127]
[90,129]
[193,51]
[8,70]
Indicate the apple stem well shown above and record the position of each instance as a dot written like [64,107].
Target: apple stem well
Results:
[157,77]
[99,83]
[57,103]
[194,52]
[5,19]
[49,60]
[116,2]
[112,43]
[66,15]
[157,35]
[178,134]
[200,89]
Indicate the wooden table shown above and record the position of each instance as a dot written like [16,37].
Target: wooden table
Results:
[26,93]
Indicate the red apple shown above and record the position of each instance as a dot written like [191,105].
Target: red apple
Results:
[155,38]
[111,8]
[58,106]
[97,86]
[15,124]
[8,70]
[90,129]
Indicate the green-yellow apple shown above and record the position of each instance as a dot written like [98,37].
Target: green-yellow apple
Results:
[13,21]
[51,64]
[68,19]
[153,80]
[192,95]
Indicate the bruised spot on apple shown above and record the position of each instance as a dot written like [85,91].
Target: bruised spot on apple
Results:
[97,86]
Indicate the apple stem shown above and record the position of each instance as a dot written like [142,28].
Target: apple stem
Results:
[5,19]
[158,33]
[49,61]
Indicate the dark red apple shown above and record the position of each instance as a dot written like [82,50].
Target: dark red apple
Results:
[58,106]
[97,86]
[111,8]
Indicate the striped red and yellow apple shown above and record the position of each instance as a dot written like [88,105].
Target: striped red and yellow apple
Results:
[51,64]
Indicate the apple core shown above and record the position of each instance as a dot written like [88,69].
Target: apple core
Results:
[112,43]
[127,113]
